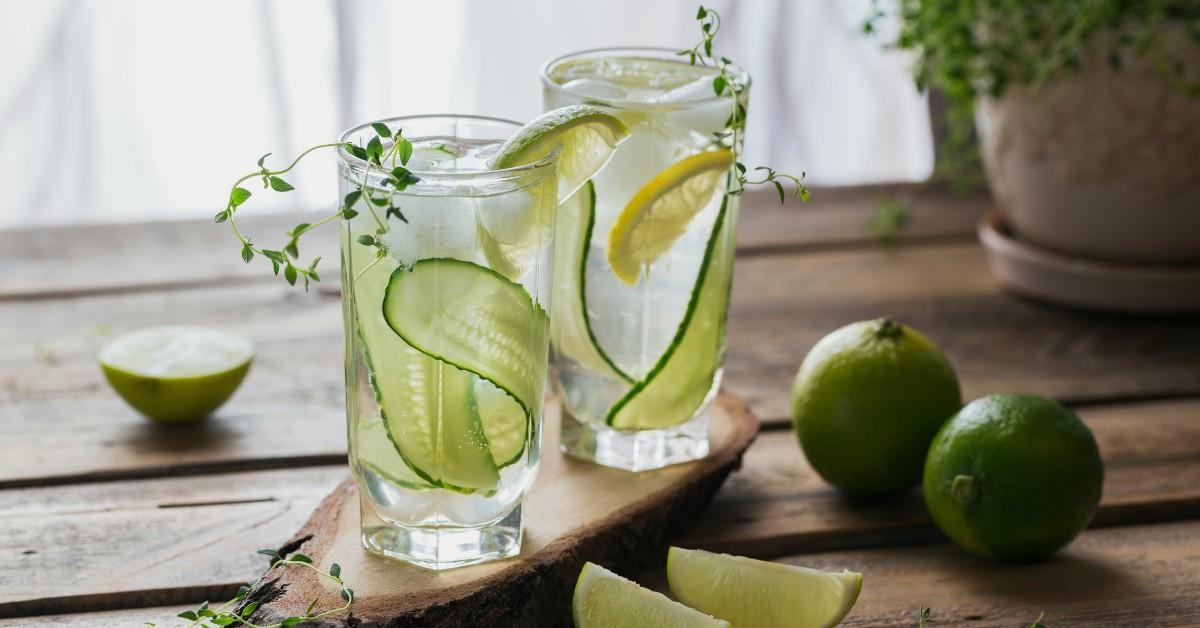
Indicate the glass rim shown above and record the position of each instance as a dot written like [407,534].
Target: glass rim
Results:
[653,52]
[498,174]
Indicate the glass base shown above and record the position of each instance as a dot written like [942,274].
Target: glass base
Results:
[442,547]
[635,450]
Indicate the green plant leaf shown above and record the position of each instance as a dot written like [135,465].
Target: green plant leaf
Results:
[279,185]
[238,196]
[405,150]
[381,129]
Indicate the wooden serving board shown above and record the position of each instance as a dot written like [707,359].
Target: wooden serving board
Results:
[575,512]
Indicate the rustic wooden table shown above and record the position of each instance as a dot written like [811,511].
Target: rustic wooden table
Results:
[108,520]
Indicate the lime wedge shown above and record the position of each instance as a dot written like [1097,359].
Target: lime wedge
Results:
[682,379]
[605,600]
[588,138]
[660,212]
[176,374]
[752,593]
[570,329]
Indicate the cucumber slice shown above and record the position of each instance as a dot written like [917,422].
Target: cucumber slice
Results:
[376,452]
[679,382]
[474,318]
[424,404]
[570,329]
[505,423]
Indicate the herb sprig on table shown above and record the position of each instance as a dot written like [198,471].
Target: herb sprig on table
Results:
[728,81]
[232,613]
[925,617]
[389,163]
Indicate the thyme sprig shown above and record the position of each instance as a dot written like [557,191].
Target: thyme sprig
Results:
[727,81]
[925,617]
[389,162]
[228,614]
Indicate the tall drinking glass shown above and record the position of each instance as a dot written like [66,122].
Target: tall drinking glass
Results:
[446,286]
[637,366]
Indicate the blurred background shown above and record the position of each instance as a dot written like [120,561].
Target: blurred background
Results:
[122,110]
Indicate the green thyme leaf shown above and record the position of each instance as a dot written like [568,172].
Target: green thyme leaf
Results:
[279,185]
[381,129]
[405,150]
[238,196]
[365,240]
[289,273]
[221,216]
[375,150]
[247,253]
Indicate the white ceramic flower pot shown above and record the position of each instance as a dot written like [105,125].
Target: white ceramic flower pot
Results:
[1101,163]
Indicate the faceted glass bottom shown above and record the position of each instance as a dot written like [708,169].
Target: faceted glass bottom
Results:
[442,547]
[636,450]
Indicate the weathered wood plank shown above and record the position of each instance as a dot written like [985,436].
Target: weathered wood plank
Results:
[291,404]
[841,217]
[1134,576]
[147,542]
[172,540]
[59,420]
[91,259]
[777,504]
[783,304]
[1128,576]
[162,616]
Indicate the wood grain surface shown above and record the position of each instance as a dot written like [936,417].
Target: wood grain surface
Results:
[101,510]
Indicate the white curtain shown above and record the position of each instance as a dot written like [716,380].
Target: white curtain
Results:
[114,110]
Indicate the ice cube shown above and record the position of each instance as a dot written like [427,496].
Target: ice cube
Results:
[699,89]
[442,226]
[401,243]
[595,88]
[510,217]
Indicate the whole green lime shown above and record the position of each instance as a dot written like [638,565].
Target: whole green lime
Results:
[866,403]
[1013,477]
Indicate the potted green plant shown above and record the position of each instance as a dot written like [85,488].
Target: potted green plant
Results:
[1087,114]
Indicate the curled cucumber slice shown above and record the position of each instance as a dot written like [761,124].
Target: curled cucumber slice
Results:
[680,381]
[570,329]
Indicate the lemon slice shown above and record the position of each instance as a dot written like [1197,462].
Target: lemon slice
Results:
[605,600]
[588,138]
[752,593]
[174,373]
[660,212]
